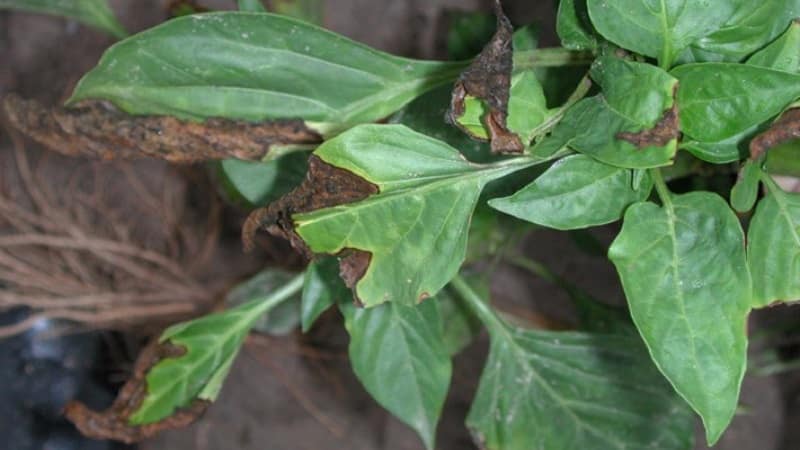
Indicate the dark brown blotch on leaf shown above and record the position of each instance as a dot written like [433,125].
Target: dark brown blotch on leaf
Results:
[113,422]
[488,78]
[783,130]
[96,130]
[664,131]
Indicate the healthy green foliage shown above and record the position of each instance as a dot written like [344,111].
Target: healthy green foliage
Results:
[322,289]
[281,319]
[398,354]
[773,247]
[95,13]
[258,183]
[427,192]
[257,66]
[745,192]
[782,54]
[543,389]
[685,276]
[575,192]
[573,26]
[211,345]
[251,6]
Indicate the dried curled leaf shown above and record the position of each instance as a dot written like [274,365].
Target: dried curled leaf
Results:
[488,78]
[97,131]
[783,130]
[324,186]
[113,423]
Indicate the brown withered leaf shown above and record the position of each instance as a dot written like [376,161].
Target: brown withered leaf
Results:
[783,130]
[96,130]
[665,130]
[113,422]
[323,187]
[488,78]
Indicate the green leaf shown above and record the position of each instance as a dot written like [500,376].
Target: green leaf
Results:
[773,247]
[659,28]
[574,27]
[259,183]
[95,13]
[728,150]
[468,33]
[459,324]
[211,344]
[257,67]
[718,101]
[280,320]
[636,97]
[397,353]
[415,228]
[251,6]
[322,288]
[554,390]
[745,192]
[685,276]
[575,192]
[753,24]
[783,53]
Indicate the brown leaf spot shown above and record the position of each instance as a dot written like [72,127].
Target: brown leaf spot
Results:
[97,130]
[664,131]
[323,187]
[783,130]
[113,422]
[489,78]
[353,264]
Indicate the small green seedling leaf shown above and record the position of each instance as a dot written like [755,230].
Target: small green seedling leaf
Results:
[398,354]
[718,101]
[322,289]
[574,27]
[257,67]
[95,13]
[773,247]
[633,124]
[211,344]
[575,192]
[410,236]
[558,390]
[686,279]
[745,192]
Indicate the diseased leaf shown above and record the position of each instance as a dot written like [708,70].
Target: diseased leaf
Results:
[258,183]
[685,276]
[773,247]
[555,390]
[251,6]
[785,130]
[211,344]
[398,354]
[278,321]
[257,67]
[783,53]
[575,192]
[488,80]
[632,124]
[745,192]
[718,101]
[660,29]
[322,289]
[95,13]
[401,225]
[574,27]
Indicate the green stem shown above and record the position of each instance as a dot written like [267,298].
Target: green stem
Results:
[579,93]
[481,308]
[661,187]
[277,297]
[551,57]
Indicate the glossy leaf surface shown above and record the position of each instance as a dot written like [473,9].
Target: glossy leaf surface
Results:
[686,279]
[575,192]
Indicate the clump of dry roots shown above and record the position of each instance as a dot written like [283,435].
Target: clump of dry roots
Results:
[103,245]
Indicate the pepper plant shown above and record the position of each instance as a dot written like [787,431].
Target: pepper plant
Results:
[416,170]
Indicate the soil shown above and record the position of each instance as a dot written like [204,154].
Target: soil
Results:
[298,392]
